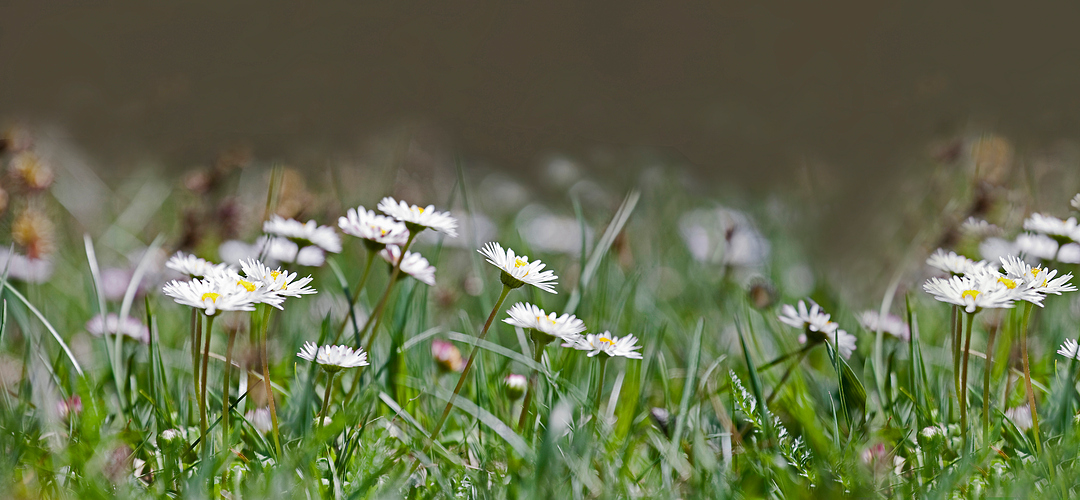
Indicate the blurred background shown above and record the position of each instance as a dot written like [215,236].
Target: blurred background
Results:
[847,108]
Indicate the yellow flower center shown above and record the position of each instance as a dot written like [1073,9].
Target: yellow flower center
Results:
[1010,284]
[210,295]
[418,209]
[974,294]
[519,263]
[604,339]
[1035,272]
[274,274]
[249,286]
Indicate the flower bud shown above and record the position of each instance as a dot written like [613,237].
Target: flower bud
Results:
[447,357]
[515,386]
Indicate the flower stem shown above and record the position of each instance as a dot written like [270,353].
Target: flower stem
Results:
[326,397]
[381,307]
[783,379]
[806,348]
[196,338]
[352,301]
[1027,379]
[599,390]
[225,389]
[469,363]
[957,332]
[964,378]
[265,326]
[538,356]
[986,385]
[202,385]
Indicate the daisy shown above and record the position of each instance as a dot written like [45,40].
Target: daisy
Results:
[840,339]
[890,323]
[333,357]
[132,327]
[971,293]
[376,230]
[278,282]
[979,228]
[214,295]
[1037,245]
[993,249]
[304,233]
[517,271]
[1075,201]
[1020,416]
[414,264]
[1060,230]
[1038,279]
[416,217]
[548,326]
[23,268]
[951,262]
[260,419]
[813,319]
[607,344]
[195,267]
[1070,349]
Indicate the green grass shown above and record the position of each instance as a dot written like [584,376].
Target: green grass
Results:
[687,420]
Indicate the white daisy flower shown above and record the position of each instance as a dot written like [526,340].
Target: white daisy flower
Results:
[993,249]
[1038,246]
[1039,279]
[414,264]
[517,270]
[132,327]
[23,268]
[260,419]
[566,327]
[217,294]
[1070,349]
[304,233]
[1021,416]
[333,357]
[813,319]
[607,344]
[951,262]
[1060,230]
[842,340]
[1069,253]
[426,217]
[195,267]
[1075,201]
[971,292]
[379,230]
[891,324]
[979,228]
[279,281]
[723,236]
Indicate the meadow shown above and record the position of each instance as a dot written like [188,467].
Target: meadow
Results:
[246,331]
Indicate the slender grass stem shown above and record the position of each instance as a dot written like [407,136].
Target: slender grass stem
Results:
[957,332]
[986,385]
[538,356]
[964,378]
[1027,378]
[783,357]
[784,378]
[355,296]
[380,308]
[196,338]
[225,389]
[202,385]
[326,397]
[265,326]
[599,390]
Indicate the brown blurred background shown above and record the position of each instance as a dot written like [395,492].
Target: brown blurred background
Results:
[745,93]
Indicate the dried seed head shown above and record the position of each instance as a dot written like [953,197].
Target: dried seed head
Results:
[34,231]
[31,171]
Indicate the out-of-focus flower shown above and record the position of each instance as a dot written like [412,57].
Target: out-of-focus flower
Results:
[890,323]
[1070,349]
[517,271]
[473,228]
[951,262]
[723,236]
[377,231]
[447,356]
[992,157]
[1062,231]
[68,407]
[762,293]
[131,328]
[413,264]
[515,386]
[260,419]
[169,435]
[607,344]
[813,319]
[1020,416]
[31,171]
[195,267]
[839,339]
[567,327]
[34,231]
[993,249]
[416,217]
[1044,247]
[333,357]
[979,228]
[272,250]
[304,233]
[1075,201]
[16,138]
[23,268]
[546,232]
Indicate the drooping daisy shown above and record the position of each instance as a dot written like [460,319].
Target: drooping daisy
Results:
[951,262]
[131,328]
[607,344]
[813,319]
[414,264]
[1070,349]
[840,339]
[890,324]
[216,294]
[1039,279]
[333,357]
[548,326]
[416,217]
[973,293]
[1060,230]
[517,271]
[304,233]
[377,231]
[193,266]
[276,281]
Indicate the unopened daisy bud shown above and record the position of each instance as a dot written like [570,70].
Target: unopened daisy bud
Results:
[70,406]
[515,386]
[169,435]
[932,438]
[34,231]
[447,356]
[762,294]
[31,171]
[662,419]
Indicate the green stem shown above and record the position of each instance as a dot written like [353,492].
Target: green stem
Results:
[957,332]
[986,384]
[599,390]
[265,326]
[964,378]
[468,364]
[326,397]
[787,373]
[538,357]
[196,338]
[381,307]
[202,385]
[354,298]
[805,349]
[225,389]
[1027,379]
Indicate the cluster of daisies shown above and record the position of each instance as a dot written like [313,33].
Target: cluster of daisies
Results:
[976,285]
[1046,238]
